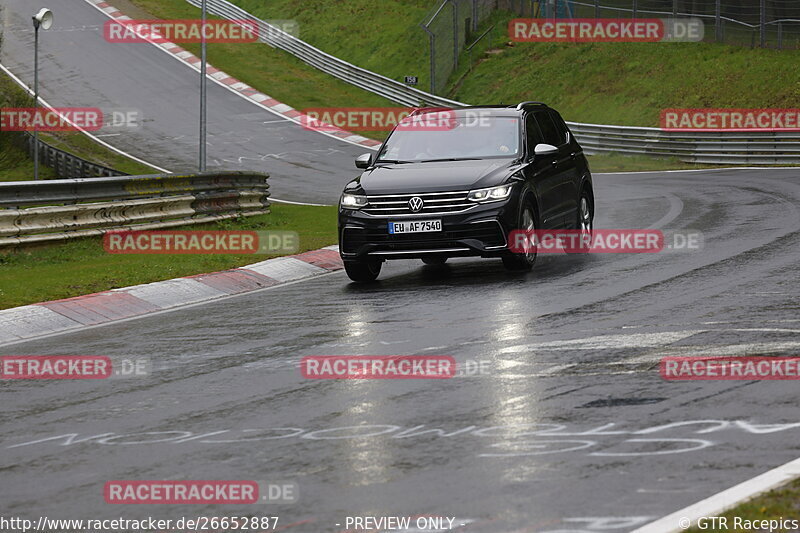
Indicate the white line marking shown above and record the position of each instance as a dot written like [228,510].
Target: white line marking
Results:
[234,91]
[631,340]
[691,170]
[725,500]
[93,137]
[96,138]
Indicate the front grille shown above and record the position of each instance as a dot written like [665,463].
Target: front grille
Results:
[434,203]
[488,232]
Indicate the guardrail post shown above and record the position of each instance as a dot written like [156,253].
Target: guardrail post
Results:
[718,21]
[763,23]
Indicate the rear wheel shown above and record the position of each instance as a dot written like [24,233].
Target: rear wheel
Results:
[362,271]
[434,260]
[584,221]
[525,260]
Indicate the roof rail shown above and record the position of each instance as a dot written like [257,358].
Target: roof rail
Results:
[523,104]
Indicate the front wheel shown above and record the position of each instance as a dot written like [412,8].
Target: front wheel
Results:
[584,222]
[527,223]
[362,271]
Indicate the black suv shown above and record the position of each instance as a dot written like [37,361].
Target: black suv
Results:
[455,182]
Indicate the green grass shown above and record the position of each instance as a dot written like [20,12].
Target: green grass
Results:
[625,163]
[82,266]
[780,503]
[276,73]
[614,83]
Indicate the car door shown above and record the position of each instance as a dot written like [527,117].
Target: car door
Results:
[569,188]
[562,164]
[542,174]
[560,183]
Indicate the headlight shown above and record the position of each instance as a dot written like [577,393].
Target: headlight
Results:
[353,201]
[491,194]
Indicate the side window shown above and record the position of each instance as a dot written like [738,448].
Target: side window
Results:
[560,126]
[532,133]
[549,130]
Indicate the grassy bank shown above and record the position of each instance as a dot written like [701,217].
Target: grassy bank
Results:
[83,266]
[783,503]
[616,83]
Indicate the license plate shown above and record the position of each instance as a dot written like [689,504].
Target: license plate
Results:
[415,226]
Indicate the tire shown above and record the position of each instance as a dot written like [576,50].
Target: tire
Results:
[525,221]
[362,271]
[585,217]
[434,260]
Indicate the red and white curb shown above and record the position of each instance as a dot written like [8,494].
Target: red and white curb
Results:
[59,316]
[239,87]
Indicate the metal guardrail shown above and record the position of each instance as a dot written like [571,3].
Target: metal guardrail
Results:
[64,163]
[740,148]
[370,81]
[763,148]
[71,208]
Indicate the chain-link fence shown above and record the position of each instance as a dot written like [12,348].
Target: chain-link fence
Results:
[764,23]
[451,24]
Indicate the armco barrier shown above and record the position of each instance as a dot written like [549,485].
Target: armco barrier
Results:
[71,208]
[64,163]
[758,148]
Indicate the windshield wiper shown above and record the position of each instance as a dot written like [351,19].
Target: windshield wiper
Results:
[451,159]
[392,161]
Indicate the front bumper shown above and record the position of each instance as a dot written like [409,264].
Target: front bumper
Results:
[480,231]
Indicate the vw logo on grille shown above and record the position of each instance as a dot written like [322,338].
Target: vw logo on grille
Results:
[415,204]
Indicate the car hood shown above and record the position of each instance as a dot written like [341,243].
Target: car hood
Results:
[440,176]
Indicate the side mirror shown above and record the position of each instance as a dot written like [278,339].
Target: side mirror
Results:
[545,149]
[364,161]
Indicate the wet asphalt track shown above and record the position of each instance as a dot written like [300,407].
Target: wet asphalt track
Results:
[571,420]
[79,68]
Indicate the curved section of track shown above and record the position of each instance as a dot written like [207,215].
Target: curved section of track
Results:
[570,421]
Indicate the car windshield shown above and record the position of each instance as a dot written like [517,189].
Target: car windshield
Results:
[429,137]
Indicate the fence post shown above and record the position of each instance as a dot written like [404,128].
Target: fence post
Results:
[597,9]
[763,23]
[635,8]
[454,3]
[718,21]
[432,40]
[674,8]
[780,36]
[474,15]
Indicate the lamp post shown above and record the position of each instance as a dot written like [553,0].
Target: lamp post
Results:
[203,92]
[43,19]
